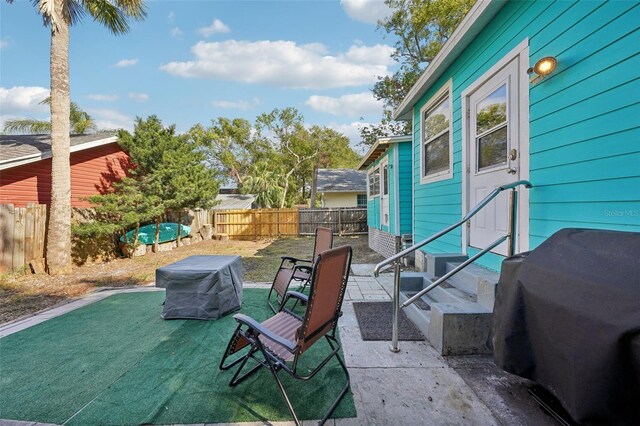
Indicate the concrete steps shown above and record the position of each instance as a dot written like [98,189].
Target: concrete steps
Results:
[456,316]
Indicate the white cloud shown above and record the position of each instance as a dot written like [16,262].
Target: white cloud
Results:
[356,104]
[21,99]
[172,16]
[242,105]
[98,97]
[111,119]
[125,63]
[284,64]
[352,131]
[217,26]
[367,11]
[21,102]
[4,43]
[139,97]
[175,32]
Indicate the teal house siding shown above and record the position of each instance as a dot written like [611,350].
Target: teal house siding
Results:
[584,120]
[405,199]
[396,151]
[373,212]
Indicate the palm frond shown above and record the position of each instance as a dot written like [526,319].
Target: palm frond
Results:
[115,15]
[27,126]
[133,8]
[73,11]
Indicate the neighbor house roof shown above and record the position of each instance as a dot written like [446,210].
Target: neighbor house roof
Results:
[478,17]
[234,201]
[379,148]
[341,180]
[16,150]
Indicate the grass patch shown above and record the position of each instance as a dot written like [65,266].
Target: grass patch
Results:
[24,294]
[117,362]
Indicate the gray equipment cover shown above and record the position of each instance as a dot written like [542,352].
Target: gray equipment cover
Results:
[567,316]
[201,287]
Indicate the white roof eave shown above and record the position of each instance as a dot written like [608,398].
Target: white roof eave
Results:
[479,15]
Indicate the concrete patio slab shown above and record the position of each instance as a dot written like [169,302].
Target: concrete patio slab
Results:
[362,269]
[414,396]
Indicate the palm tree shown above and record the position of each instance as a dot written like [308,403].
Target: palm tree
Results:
[267,183]
[81,122]
[59,15]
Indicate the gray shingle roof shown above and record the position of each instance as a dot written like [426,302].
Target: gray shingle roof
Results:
[234,201]
[341,180]
[20,148]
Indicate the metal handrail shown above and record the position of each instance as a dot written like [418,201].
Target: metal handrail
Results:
[395,259]
[476,209]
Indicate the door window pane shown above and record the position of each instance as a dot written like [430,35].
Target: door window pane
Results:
[492,110]
[492,148]
[385,180]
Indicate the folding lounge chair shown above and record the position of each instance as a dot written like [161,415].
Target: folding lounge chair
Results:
[299,270]
[279,342]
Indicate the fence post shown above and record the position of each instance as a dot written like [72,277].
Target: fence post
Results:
[29,231]
[255,227]
[18,238]
[6,242]
[339,221]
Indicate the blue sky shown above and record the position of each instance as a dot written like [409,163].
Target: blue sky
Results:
[191,61]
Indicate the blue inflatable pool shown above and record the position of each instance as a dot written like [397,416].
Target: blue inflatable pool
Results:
[147,233]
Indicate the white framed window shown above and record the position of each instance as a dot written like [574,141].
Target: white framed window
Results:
[436,143]
[361,200]
[373,187]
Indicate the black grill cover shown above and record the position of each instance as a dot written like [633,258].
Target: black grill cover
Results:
[567,316]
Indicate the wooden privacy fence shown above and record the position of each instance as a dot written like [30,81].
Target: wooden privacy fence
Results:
[269,223]
[23,229]
[345,221]
[22,235]
[256,223]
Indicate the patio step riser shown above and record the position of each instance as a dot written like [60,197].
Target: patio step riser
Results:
[459,318]
[447,293]
[475,280]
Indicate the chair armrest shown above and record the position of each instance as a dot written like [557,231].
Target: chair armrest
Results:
[296,295]
[255,325]
[295,260]
[304,268]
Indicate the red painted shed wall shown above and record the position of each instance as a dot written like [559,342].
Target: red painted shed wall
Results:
[93,171]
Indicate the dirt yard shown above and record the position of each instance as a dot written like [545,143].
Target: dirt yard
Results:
[22,295]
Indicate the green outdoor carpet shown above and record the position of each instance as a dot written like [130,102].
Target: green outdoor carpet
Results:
[117,362]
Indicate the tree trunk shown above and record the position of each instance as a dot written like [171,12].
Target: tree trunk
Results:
[179,226]
[134,246]
[314,186]
[156,244]
[286,189]
[59,229]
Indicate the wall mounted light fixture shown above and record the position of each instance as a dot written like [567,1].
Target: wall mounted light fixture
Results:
[542,68]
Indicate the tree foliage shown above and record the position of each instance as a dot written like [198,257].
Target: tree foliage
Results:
[420,28]
[275,157]
[81,122]
[169,173]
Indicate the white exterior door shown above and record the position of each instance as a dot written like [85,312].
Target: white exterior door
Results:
[494,152]
[384,193]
